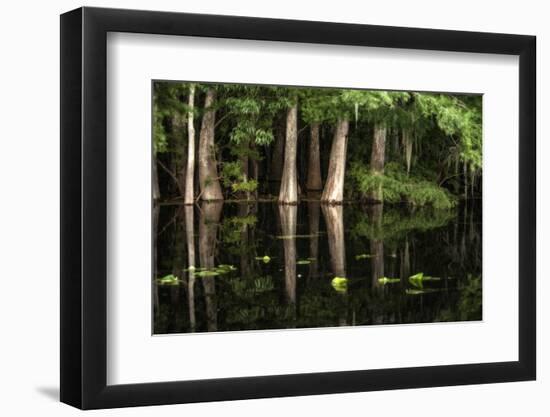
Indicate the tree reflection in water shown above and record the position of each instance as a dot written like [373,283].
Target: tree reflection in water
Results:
[269,266]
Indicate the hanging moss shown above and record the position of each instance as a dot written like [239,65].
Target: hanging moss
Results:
[397,187]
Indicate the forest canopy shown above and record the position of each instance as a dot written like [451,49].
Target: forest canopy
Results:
[241,142]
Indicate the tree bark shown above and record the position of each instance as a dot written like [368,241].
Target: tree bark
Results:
[176,165]
[190,170]
[314,182]
[287,216]
[334,219]
[289,182]
[313,211]
[377,159]
[208,170]
[156,214]
[155,179]
[208,228]
[255,168]
[276,168]
[376,246]
[190,243]
[334,186]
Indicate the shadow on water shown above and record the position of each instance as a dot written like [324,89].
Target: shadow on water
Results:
[259,265]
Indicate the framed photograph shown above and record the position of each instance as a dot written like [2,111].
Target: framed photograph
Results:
[257,208]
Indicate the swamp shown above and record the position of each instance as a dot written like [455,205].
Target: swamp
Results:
[296,207]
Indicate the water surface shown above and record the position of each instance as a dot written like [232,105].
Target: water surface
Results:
[259,265]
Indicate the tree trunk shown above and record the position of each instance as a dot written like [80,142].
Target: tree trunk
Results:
[314,182]
[243,212]
[376,245]
[313,211]
[334,186]
[190,171]
[156,214]
[277,157]
[208,228]
[334,219]
[377,159]
[190,243]
[155,179]
[287,216]
[406,262]
[208,170]
[289,182]
[255,168]
[245,171]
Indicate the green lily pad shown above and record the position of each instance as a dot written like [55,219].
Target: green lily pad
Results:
[414,291]
[340,284]
[208,273]
[224,268]
[386,280]
[265,259]
[193,269]
[169,279]
[296,236]
[364,256]
[409,291]
[303,262]
[427,278]
[417,280]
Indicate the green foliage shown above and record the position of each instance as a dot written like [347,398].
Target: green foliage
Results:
[456,117]
[445,131]
[398,187]
[232,227]
[233,177]
[168,101]
[470,299]
[395,224]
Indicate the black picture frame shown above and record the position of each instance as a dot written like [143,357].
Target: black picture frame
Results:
[84,207]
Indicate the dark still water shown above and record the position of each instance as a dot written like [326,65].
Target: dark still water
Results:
[244,266]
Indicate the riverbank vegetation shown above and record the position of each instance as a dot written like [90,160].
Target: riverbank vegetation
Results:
[216,142]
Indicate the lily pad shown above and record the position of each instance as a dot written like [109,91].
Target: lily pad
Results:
[303,262]
[386,280]
[340,284]
[409,291]
[208,273]
[169,279]
[225,269]
[265,259]
[296,236]
[417,280]
[364,256]
[193,269]
[414,291]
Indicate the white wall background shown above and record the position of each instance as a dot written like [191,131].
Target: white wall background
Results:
[29,225]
